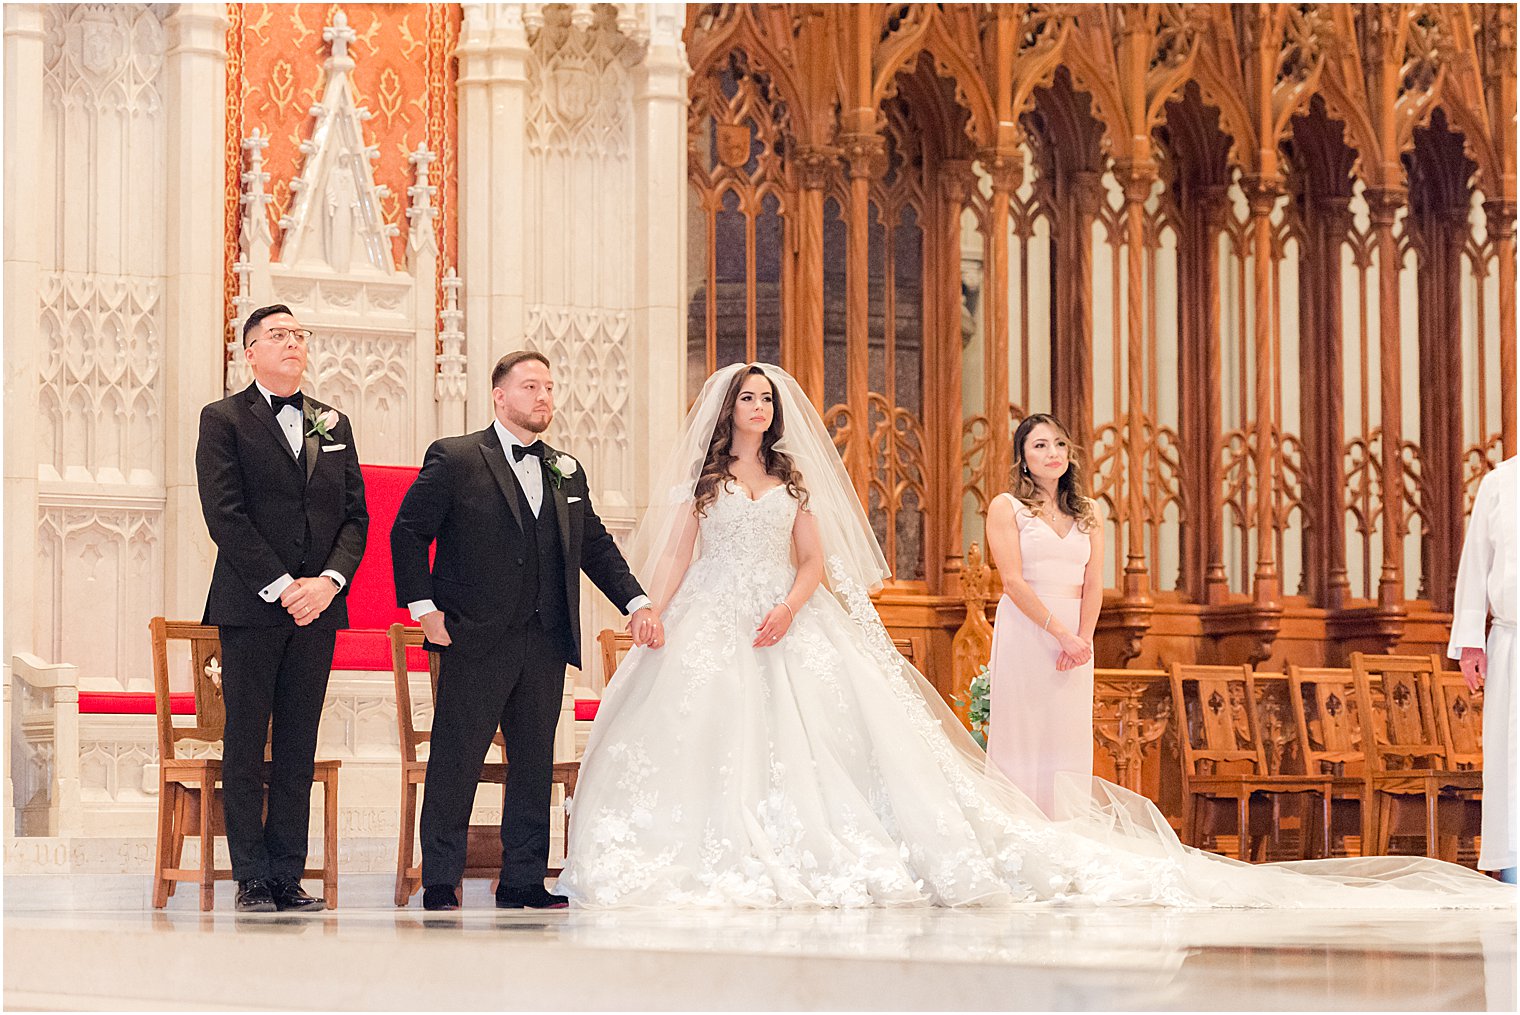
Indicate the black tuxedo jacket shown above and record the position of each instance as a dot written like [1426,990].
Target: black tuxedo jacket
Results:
[270,513]
[465,498]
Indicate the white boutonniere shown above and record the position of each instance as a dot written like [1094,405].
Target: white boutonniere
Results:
[562,467]
[322,423]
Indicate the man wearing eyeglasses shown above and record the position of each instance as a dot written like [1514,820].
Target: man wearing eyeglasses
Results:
[283,498]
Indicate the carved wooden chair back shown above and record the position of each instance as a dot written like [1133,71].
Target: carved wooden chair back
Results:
[1461,714]
[1327,711]
[402,638]
[1217,721]
[1403,735]
[614,645]
[203,646]
[1277,731]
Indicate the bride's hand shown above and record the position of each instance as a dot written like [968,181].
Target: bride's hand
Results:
[774,626]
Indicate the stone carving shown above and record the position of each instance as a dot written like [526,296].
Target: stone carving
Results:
[103,57]
[335,220]
[111,558]
[578,127]
[375,326]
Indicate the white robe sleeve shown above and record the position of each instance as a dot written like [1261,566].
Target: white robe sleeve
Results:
[1469,609]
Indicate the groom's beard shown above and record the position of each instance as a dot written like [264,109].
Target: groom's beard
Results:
[533,422]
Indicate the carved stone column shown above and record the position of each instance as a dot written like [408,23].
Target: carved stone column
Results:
[493,91]
[23,342]
[659,224]
[863,150]
[195,75]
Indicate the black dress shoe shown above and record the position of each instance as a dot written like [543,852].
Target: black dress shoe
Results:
[439,897]
[289,896]
[529,897]
[256,895]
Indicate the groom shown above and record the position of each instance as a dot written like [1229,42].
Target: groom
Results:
[514,527]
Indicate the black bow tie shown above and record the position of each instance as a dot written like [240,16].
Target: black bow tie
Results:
[536,449]
[278,402]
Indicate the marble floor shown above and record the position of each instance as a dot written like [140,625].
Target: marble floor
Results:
[93,942]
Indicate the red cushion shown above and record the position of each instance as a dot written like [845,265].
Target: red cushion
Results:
[372,600]
[372,597]
[371,650]
[132,703]
[585,708]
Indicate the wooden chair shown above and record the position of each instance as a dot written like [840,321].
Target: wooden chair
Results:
[1414,789]
[1327,711]
[614,645]
[187,783]
[1461,715]
[1225,778]
[483,844]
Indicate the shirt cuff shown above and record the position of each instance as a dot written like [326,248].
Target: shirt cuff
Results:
[335,576]
[271,593]
[421,608]
[1467,631]
[636,604]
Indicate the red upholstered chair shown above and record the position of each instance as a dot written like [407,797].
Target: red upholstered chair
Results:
[372,605]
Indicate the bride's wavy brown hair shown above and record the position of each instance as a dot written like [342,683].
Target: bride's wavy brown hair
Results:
[1071,488]
[715,471]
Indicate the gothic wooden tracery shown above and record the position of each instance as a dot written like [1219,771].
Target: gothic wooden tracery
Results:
[1228,244]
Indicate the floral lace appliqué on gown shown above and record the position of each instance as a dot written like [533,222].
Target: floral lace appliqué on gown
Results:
[722,774]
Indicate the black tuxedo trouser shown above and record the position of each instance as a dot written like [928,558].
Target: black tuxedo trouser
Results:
[279,673]
[516,687]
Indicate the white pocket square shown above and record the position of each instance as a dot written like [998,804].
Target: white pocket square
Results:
[333,447]
[572,500]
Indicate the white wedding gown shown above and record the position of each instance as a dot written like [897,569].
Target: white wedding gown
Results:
[819,773]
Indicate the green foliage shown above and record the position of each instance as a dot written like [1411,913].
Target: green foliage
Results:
[979,707]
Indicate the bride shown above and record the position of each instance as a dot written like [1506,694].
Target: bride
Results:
[777,752]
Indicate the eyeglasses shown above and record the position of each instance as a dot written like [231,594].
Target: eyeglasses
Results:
[283,335]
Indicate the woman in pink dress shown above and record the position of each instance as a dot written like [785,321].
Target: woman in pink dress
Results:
[1045,538]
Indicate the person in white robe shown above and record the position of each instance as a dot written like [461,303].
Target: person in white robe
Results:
[1486,588]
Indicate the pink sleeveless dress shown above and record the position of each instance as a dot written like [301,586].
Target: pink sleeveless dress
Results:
[1041,718]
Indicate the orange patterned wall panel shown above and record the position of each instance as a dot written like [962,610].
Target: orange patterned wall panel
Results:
[405,74]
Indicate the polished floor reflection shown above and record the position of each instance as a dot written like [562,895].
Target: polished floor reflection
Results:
[92,942]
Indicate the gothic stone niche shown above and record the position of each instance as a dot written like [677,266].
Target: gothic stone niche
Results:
[99,578]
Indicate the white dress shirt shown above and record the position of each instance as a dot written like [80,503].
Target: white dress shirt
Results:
[290,419]
[530,476]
